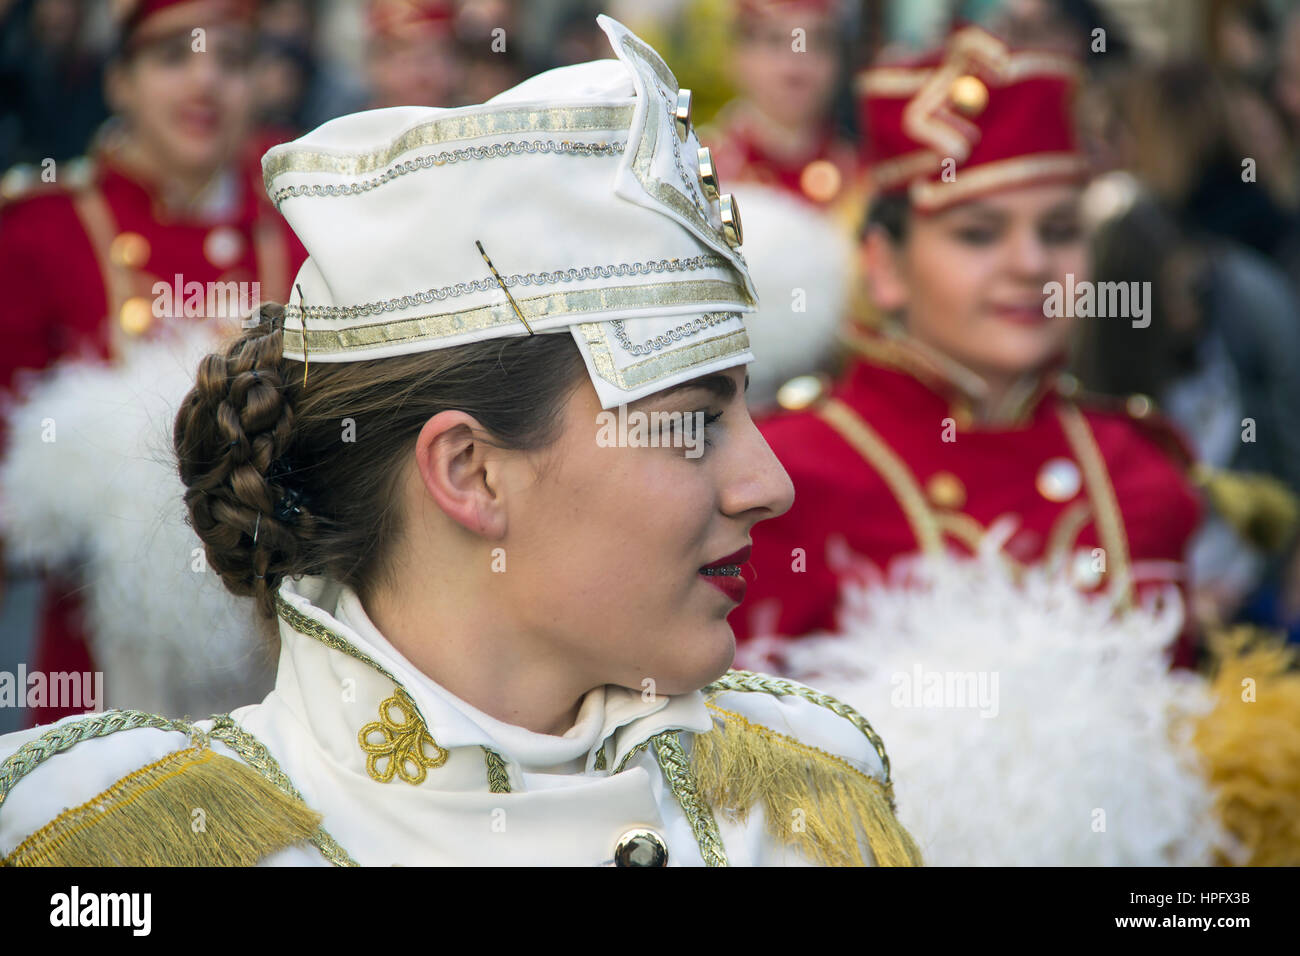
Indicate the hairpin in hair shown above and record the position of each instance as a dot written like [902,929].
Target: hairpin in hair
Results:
[502,282]
[302,310]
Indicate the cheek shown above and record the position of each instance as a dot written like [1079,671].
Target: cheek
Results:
[948,280]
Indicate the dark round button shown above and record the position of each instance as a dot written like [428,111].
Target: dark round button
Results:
[640,848]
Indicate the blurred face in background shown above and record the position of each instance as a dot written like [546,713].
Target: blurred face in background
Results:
[792,88]
[412,71]
[968,281]
[185,109]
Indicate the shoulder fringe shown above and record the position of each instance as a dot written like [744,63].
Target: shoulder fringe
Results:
[150,818]
[811,798]
[1251,744]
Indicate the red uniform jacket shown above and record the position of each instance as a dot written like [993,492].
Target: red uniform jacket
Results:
[1076,478]
[72,256]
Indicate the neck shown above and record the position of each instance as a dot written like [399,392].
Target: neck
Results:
[781,138]
[991,396]
[471,650]
[179,189]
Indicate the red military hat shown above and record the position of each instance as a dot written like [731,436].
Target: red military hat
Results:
[403,19]
[757,8]
[141,21]
[971,119]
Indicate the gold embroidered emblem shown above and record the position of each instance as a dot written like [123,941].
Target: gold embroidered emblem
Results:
[403,745]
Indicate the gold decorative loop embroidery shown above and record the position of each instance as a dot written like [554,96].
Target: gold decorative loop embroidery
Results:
[403,744]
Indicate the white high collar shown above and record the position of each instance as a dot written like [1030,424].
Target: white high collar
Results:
[339,621]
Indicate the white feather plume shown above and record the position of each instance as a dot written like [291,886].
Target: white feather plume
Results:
[1085,756]
[90,483]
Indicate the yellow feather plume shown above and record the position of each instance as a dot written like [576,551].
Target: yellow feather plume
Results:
[1251,743]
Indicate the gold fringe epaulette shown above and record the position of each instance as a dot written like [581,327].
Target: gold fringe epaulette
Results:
[1259,507]
[191,808]
[1251,744]
[813,799]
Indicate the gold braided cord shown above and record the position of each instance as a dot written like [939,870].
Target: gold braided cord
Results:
[627,757]
[602,762]
[1110,520]
[762,683]
[867,442]
[498,776]
[58,739]
[676,767]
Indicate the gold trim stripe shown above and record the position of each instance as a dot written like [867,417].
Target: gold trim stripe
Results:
[708,293]
[989,176]
[1105,506]
[569,119]
[867,442]
[659,366]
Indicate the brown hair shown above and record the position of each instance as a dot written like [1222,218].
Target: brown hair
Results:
[311,472]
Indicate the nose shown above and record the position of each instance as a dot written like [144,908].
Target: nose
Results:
[1027,255]
[757,486]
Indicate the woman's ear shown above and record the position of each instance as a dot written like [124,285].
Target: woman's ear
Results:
[459,472]
[882,267]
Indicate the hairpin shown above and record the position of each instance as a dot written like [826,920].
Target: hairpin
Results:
[302,309]
[502,283]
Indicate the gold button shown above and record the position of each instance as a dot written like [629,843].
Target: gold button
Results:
[1067,386]
[799,393]
[683,114]
[969,95]
[223,246]
[640,848]
[731,229]
[820,180]
[946,490]
[1139,406]
[136,315]
[708,175]
[1059,479]
[129,249]
[1085,570]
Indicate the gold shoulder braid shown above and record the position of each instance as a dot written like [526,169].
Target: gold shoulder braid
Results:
[175,811]
[811,798]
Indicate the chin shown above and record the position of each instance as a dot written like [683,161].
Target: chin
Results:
[713,657]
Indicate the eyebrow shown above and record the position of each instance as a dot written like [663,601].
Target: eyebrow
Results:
[722,386]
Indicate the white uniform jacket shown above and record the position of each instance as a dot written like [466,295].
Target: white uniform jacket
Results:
[356,757]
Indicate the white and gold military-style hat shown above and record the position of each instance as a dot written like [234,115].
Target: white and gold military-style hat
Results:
[596,209]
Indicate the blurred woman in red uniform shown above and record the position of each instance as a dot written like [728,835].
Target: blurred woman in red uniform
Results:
[172,187]
[952,415]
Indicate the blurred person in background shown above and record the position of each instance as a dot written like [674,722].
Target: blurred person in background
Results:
[965,516]
[779,131]
[50,81]
[959,262]
[1220,358]
[411,57]
[172,188]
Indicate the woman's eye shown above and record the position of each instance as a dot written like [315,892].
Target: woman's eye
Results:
[691,428]
[1061,233]
[977,235]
